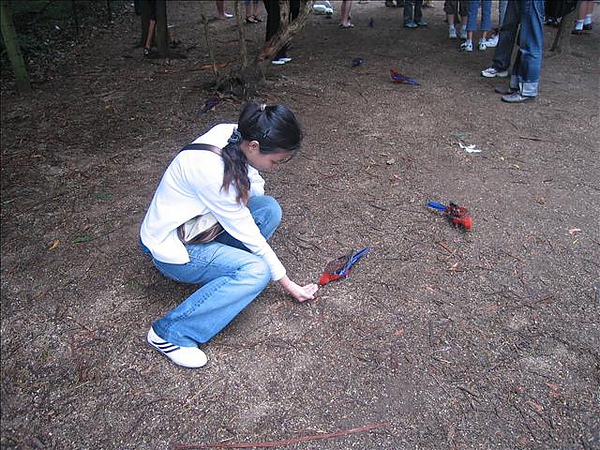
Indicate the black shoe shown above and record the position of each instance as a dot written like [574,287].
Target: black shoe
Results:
[504,90]
[516,97]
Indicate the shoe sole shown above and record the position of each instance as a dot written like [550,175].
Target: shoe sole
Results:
[521,99]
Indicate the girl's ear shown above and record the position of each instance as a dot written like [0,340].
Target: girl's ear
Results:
[254,146]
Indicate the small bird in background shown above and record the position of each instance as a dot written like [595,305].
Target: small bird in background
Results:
[210,104]
[397,77]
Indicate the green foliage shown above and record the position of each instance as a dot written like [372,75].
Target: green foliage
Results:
[45,27]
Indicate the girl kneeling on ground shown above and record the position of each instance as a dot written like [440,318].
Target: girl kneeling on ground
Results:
[217,177]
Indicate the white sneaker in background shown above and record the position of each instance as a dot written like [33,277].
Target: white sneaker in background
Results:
[492,72]
[466,46]
[452,32]
[492,42]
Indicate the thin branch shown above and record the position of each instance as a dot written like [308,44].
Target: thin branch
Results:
[284,442]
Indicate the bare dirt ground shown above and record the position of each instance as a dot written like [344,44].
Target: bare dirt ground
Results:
[439,339]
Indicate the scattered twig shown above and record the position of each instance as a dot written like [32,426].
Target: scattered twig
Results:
[440,384]
[193,397]
[531,138]
[468,391]
[360,91]
[511,255]
[447,248]
[378,207]
[543,299]
[281,443]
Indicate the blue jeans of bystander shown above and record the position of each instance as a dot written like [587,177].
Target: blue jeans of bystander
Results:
[527,16]
[486,15]
[413,10]
[501,11]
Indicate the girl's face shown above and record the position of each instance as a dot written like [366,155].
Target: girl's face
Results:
[266,162]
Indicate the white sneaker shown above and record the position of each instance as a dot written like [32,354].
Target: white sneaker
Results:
[492,72]
[493,41]
[466,46]
[482,45]
[463,33]
[190,357]
[452,33]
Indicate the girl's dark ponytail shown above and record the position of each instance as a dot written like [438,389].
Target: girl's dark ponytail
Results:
[236,169]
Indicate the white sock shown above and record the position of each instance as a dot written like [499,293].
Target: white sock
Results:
[452,27]
[579,25]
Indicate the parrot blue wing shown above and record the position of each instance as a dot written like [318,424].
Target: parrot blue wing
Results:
[399,78]
[437,205]
[355,257]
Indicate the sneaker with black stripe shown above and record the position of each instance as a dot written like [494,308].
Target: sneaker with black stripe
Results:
[189,357]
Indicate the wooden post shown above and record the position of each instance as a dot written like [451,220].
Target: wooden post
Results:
[12,48]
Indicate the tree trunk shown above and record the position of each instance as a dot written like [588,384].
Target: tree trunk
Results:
[285,33]
[209,43]
[562,41]
[12,48]
[239,15]
[245,80]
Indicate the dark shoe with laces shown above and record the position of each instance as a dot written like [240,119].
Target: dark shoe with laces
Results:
[505,90]
[516,97]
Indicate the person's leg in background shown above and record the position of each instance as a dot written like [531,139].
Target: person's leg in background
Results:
[528,64]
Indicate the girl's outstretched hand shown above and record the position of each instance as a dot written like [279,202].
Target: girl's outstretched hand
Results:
[300,293]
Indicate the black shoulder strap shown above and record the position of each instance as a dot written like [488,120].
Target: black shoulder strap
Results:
[208,147]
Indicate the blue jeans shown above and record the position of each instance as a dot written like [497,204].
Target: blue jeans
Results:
[229,276]
[525,17]
[413,10]
[486,15]
[501,11]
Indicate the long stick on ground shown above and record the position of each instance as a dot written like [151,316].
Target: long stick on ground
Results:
[282,443]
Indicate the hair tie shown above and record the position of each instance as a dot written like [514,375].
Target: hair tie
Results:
[236,138]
